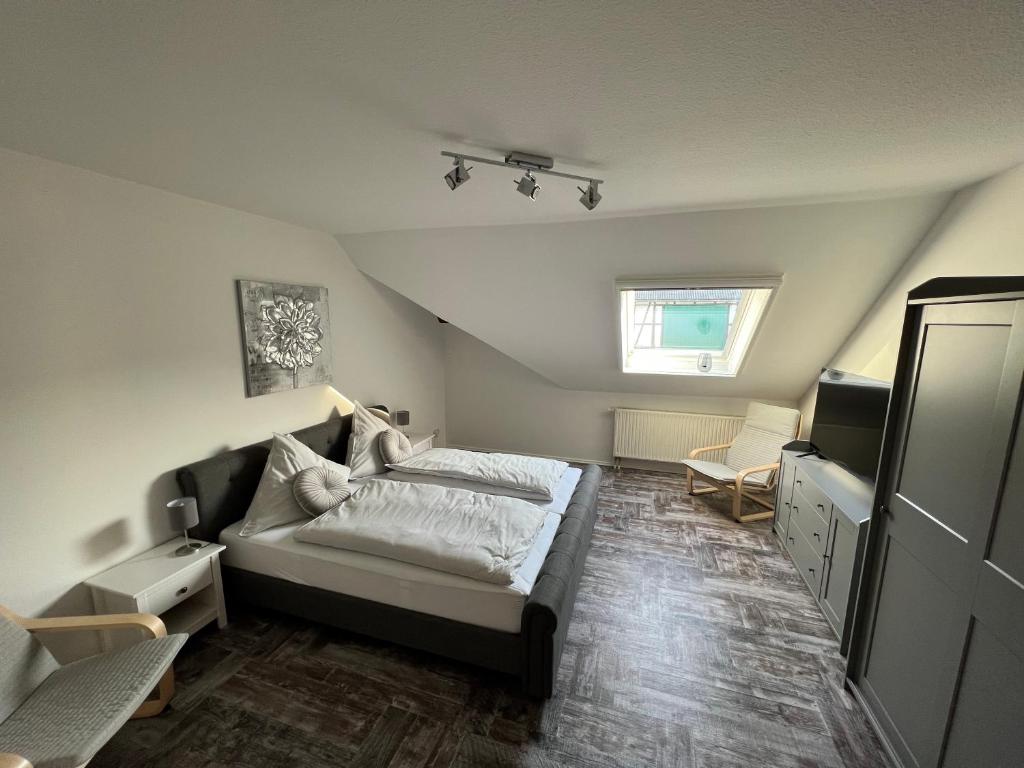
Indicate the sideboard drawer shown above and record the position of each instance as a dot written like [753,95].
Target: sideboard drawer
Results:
[820,503]
[169,593]
[806,559]
[806,517]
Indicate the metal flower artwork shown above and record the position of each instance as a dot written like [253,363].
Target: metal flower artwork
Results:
[291,334]
[286,336]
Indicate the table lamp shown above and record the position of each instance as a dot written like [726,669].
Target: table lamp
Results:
[402,419]
[184,514]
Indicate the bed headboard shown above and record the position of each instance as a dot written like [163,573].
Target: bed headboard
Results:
[225,484]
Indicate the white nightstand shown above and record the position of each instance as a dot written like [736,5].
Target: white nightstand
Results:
[421,442]
[186,592]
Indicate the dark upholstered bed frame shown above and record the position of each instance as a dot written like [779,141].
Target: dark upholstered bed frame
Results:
[224,486]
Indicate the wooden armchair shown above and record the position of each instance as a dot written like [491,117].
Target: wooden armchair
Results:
[61,715]
[751,461]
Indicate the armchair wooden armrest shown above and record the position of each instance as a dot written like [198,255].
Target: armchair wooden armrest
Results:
[151,624]
[8,760]
[741,476]
[698,451]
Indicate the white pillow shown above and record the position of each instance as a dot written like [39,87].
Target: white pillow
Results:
[363,450]
[274,503]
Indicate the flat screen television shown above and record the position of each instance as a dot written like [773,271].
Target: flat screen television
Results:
[849,416]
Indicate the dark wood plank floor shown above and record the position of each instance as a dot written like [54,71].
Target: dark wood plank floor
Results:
[693,643]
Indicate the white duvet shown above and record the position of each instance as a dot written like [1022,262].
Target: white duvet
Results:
[530,477]
[476,535]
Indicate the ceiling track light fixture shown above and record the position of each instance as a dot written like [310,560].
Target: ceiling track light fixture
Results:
[527,185]
[458,175]
[591,197]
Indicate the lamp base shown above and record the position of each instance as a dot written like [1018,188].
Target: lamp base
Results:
[188,549]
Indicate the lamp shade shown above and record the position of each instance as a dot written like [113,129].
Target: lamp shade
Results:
[402,418]
[183,513]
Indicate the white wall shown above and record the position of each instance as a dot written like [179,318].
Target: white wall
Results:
[120,360]
[496,403]
[544,294]
[980,233]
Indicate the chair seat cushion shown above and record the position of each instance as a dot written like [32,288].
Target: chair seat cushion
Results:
[24,665]
[76,710]
[712,469]
[721,472]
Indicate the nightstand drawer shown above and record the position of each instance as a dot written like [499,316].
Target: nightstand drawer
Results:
[181,586]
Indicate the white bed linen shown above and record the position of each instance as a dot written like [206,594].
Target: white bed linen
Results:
[530,476]
[479,535]
[275,553]
[562,494]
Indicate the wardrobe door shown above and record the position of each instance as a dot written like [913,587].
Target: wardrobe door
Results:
[988,715]
[953,434]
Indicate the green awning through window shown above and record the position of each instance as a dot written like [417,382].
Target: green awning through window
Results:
[695,326]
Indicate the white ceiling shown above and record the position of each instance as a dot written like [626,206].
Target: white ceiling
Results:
[544,294]
[332,114]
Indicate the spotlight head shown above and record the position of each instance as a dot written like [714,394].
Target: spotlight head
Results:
[591,197]
[528,186]
[458,175]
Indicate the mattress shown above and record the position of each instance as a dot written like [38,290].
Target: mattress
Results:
[276,553]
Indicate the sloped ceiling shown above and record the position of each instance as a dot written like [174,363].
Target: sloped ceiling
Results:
[331,114]
[544,294]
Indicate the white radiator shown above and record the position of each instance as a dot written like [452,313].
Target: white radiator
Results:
[668,435]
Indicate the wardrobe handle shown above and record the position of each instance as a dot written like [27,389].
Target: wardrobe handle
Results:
[817,536]
[811,570]
[792,540]
[182,591]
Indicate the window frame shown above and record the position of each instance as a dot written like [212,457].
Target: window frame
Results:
[749,331]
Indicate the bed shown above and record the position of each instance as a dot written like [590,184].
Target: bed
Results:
[518,629]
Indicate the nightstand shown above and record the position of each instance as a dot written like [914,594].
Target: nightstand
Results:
[421,442]
[186,592]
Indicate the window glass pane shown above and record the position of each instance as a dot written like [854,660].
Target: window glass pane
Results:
[696,326]
[665,330]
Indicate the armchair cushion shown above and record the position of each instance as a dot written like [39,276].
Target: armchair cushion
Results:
[766,429]
[722,473]
[24,665]
[712,469]
[79,706]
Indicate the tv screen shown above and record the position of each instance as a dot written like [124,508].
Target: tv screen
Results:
[849,417]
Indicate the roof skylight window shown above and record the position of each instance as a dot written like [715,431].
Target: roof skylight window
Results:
[686,327]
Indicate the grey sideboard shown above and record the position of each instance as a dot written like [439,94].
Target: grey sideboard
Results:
[821,518]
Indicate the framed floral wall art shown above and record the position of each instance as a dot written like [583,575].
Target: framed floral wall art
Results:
[286,336]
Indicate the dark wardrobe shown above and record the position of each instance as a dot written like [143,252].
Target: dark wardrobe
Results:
[938,645]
